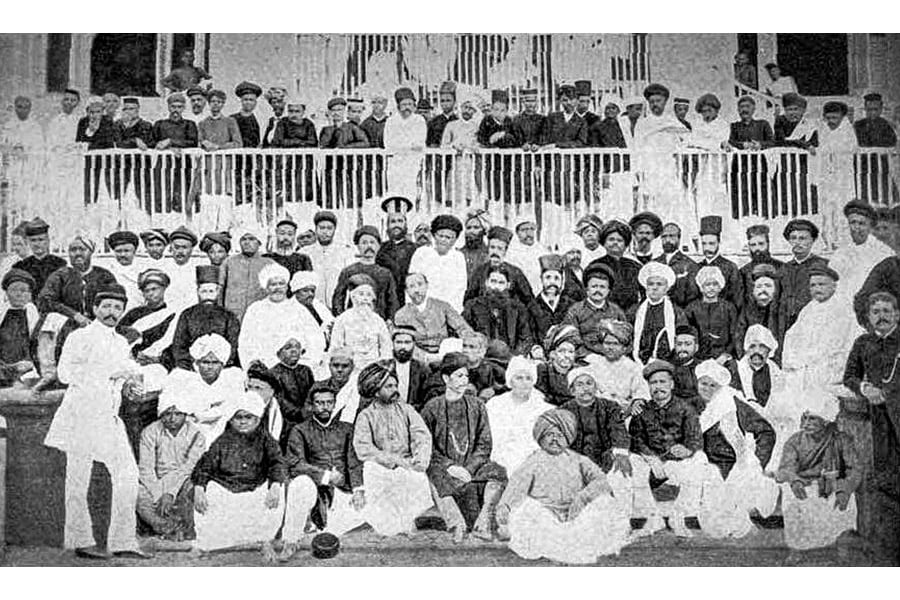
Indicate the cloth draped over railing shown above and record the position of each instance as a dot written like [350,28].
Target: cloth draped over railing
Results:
[102,191]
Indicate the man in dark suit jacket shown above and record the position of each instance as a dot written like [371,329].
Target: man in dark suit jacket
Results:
[412,375]
[685,289]
[565,129]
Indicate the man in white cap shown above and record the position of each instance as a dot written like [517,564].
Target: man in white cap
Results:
[656,318]
[714,319]
[96,365]
[240,273]
[211,385]
[205,317]
[170,448]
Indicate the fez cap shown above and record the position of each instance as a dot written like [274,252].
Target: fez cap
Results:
[183,233]
[529,93]
[130,100]
[397,204]
[650,219]
[36,226]
[325,215]
[565,90]
[583,87]
[286,221]
[858,207]
[499,96]
[247,87]
[711,225]
[223,238]
[207,274]
[446,222]
[366,230]
[119,238]
[552,262]
[801,225]
[681,100]
[448,87]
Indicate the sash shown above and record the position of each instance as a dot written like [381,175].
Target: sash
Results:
[745,373]
[668,328]
[155,318]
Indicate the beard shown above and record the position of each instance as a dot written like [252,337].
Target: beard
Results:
[403,356]
[669,247]
[759,255]
[475,241]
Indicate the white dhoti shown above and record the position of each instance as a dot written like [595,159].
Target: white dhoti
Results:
[394,498]
[301,498]
[602,528]
[689,475]
[403,173]
[815,522]
[623,488]
[235,519]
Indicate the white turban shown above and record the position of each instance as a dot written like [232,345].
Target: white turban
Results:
[713,370]
[820,402]
[177,397]
[252,231]
[656,269]
[710,273]
[518,364]
[578,372]
[302,279]
[250,402]
[211,342]
[273,271]
[760,334]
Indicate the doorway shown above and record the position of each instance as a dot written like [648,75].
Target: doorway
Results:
[819,63]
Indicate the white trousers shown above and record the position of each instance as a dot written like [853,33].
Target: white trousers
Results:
[815,522]
[394,498]
[623,488]
[123,474]
[301,497]
[235,519]
[600,529]
[689,475]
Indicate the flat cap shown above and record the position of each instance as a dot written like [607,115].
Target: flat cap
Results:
[247,87]
[183,233]
[858,207]
[119,238]
[825,271]
[366,230]
[656,366]
[650,219]
[222,238]
[801,225]
[325,215]
[446,222]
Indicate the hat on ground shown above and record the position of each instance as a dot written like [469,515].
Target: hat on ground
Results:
[446,222]
[824,271]
[325,215]
[858,207]
[206,274]
[222,238]
[119,238]
[396,204]
[325,545]
[113,291]
[656,89]
[711,225]
[36,226]
[247,87]
[404,93]
[14,275]
[801,225]
[615,226]
[650,219]
[183,233]
[366,230]
[154,234]
[156,276]
[657,365]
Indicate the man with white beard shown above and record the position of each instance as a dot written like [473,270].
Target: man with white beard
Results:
[856,260]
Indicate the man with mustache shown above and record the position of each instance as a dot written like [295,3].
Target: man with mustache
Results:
[755,374]
[499,239]
[685,289]
[588,314]
[499,316]
[397,251]
[872,374]
[646,227]
[284,253]
[394,445]
[710,241]
[758,245]
[800,234]
[474,248]
[412,375]
[550,306]
[368,243]
[762,306]
[687,343]
[856,260]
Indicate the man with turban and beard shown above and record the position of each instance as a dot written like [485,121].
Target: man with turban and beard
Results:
[266,319]
[685,289]
[656,318]
[368,242]
[617,376]
[549,307]
[560,345]
[647,226]
[394,445]
[616,237]
[360,328]
[474,249]
[499,316]
[303,287]
[558,503]
[465,484]
[758,245]
[396,252]
[211,385]
[761,308]
[443,265]
[205,318]
[497,246]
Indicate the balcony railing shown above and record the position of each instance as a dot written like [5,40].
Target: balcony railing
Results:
[101,191]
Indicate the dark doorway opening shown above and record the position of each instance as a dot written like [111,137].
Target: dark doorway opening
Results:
[124,64]
[817,62]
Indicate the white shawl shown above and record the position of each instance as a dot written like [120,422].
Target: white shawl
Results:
[745,373]
[668,329]
[31,315]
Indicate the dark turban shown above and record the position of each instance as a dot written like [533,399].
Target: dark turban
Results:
[453,362]
[374,376]
[558,334]
[620,330]
[559,419]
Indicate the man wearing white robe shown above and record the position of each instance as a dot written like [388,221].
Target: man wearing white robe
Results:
[212,387]
[23,137]
[96,364]
[525,252]
[404,137]
[22,132]
[834,171]
[855,260]
[443,265]
[125,267]
[328,256]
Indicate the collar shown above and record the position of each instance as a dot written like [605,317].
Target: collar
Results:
[595,305]
[886,335]
[552,304]
[709,261]
[800,262]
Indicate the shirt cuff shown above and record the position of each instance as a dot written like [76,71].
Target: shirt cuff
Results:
[620,451]
[325,478]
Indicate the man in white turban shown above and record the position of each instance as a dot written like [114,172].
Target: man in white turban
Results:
[656,318]
[211,386]
[170,447]
[714,318]
[757,374]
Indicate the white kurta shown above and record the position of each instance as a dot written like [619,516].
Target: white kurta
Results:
[26,134]
[833,171]
[127,277]
[182,290]
[446,274]
[26,168]
[853,262]
[328,262]
[401,136]
[213,402]
[527,258]
[512,423]
[656,139]
[266,326]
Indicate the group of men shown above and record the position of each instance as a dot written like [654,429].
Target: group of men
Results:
[545,397]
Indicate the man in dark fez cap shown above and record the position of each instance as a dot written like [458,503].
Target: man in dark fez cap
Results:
[205,317]
[125,268]
[442,264]
[498,240]
[565,129]
[854,261]
[710,241]
[529,124]
[397,250]
[800,234]
[758,244]
[247,122]
[368,243]
[41,263]
[550,306]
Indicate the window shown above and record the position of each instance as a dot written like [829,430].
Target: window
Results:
[59,47]
[124,64]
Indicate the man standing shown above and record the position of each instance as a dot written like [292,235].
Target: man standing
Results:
[41,263]
[328,258]
[680,108]
[565,129]
[341,133]
[373,125]
[443,265]
[685,289]
[584,99]
[465,484]
[368,242]
[22,133]
[432,320]
[134,133]
[394,445]
[126,269]
[436,126]
[175,131]
[70,290]
[61,129]
[240,274]
[646,227]
[856,260]
[529,124]
[248,93]
[396,253]
[217,131]
[749,133]
[277,99]
[758,245]
[498,244]
[871,373]
[657,137]
[800,234]
[96,365]
[874,131]
[198,99]
[185,74]
[710,240]
[295,130]
[204,318]
[183,287]
[404,136]
[284,254]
